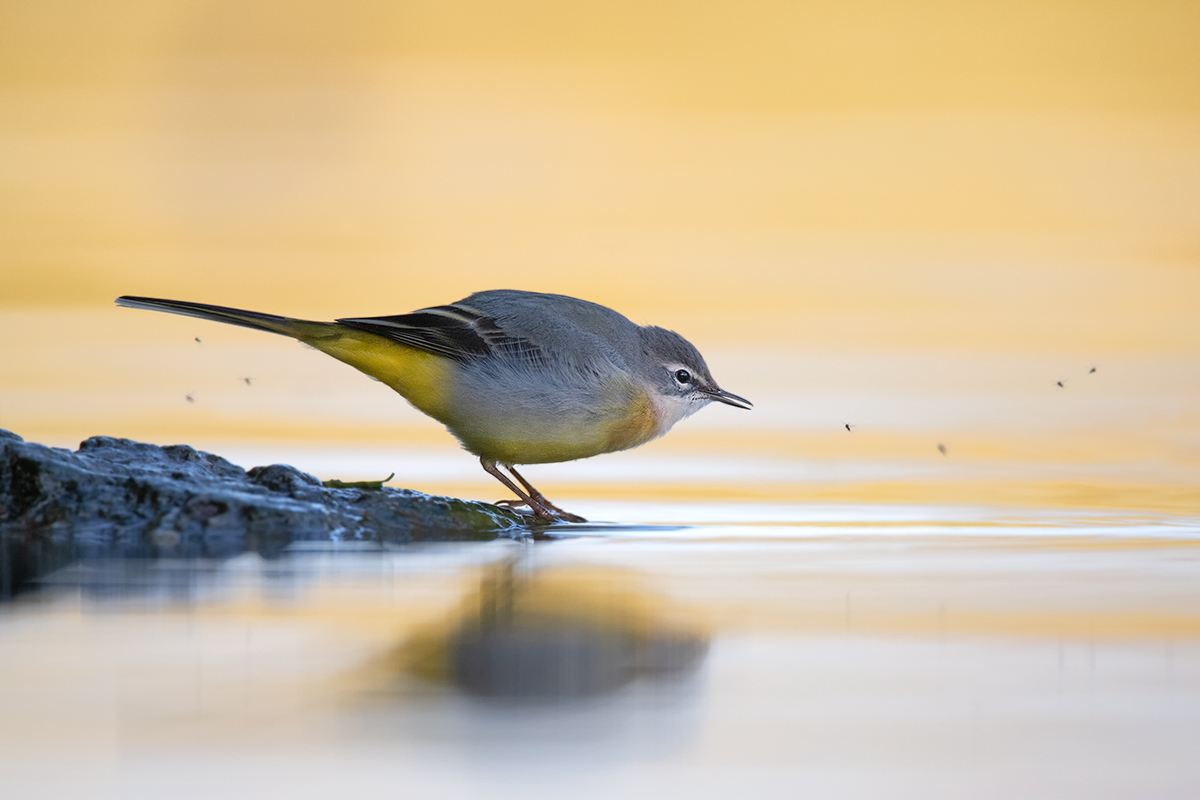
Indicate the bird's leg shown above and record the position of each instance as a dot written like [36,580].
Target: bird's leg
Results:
[539,507]
[566,516]
[492,469]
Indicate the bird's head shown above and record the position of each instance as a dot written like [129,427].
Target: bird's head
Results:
[678,378]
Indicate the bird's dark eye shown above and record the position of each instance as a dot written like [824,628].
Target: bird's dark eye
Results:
[682,375]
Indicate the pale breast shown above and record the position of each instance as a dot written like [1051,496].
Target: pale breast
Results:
[639,425]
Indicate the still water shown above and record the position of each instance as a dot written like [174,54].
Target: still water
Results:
[713,649]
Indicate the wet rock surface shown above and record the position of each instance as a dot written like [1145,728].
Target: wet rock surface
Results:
[116,498]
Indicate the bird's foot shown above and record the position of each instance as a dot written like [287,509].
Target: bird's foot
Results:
[543,509]
[511,503]
[557,513]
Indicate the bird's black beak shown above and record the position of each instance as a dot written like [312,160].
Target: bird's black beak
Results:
[722,396]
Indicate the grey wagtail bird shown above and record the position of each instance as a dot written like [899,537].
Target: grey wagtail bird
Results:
[517,377]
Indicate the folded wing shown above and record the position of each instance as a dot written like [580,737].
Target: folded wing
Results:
[455,331]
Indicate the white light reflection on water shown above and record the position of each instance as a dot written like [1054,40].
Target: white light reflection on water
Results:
[701,520]
[840,651]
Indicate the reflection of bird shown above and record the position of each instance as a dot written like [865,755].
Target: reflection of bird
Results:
[518,377]
[554,635]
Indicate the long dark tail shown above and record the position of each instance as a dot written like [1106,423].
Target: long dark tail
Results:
[285,326]
[402,367]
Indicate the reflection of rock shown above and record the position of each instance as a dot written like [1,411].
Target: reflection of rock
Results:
[557,634]
[118,498]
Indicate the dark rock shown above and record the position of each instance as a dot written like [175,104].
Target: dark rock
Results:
[116,498]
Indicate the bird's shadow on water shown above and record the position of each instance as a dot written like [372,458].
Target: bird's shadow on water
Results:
[590,661]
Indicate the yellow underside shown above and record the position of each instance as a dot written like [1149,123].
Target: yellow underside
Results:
[540,441]
[425,380]
[419,377]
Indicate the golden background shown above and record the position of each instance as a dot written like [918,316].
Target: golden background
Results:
[913,218]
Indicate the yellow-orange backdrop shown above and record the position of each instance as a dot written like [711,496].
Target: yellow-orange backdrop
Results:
[879,210]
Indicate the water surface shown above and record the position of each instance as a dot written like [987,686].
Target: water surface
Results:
[842,650]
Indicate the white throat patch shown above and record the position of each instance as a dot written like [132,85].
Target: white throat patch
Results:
[669,410]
